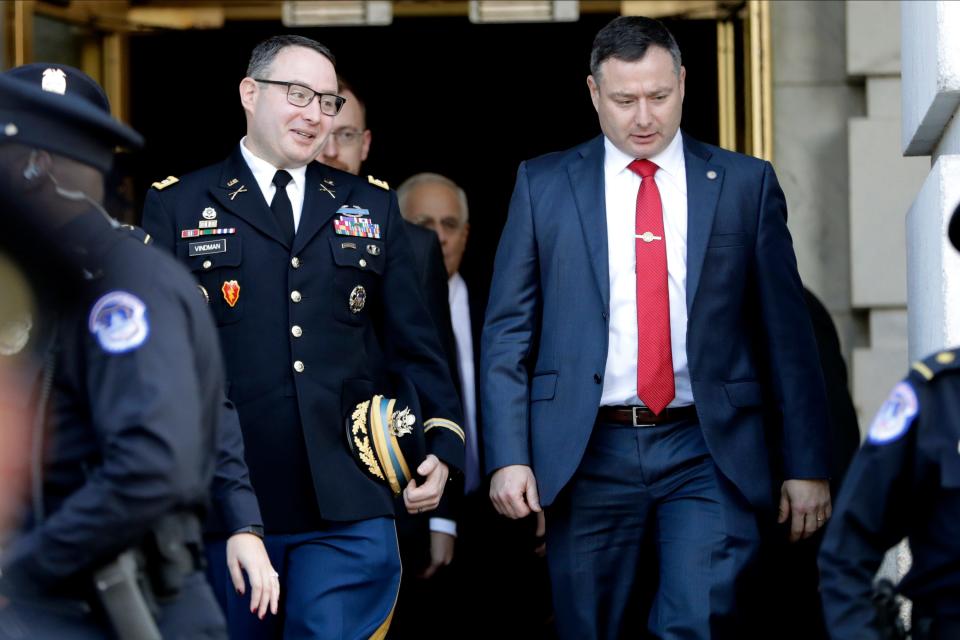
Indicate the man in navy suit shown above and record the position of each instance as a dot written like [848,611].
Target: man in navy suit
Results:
[311,282]
[648,368]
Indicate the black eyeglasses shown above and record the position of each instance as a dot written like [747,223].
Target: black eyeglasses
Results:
[301,96]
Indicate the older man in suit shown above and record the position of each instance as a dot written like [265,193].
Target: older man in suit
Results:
[645,316]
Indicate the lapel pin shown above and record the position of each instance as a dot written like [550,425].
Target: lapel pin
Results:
[324,188]
[232,182]
[234,194]
[329,182]
[711,175]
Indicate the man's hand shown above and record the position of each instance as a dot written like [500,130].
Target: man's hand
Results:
[441,552]
[246,552]
[807,504]
[426,497]
[513,490]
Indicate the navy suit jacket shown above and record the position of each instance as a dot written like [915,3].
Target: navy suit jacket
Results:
[294,421]
[753,362]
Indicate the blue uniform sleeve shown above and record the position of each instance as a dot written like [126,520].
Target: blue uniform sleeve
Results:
[155,450]
[871,516]
[158,222]
[233,500]
[509,336]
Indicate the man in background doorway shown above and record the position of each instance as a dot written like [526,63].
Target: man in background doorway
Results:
[495,565]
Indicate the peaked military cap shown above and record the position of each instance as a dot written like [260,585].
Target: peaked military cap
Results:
[62,110]
[386,437]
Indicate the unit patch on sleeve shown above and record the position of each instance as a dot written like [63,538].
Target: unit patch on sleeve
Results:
[119,321]
[895,416]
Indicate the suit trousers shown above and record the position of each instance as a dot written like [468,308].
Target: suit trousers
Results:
[338,582]
[648,527]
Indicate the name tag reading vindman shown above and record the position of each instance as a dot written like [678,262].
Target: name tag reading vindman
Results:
[206,248]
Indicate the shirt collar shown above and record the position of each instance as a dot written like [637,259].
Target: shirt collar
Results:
[263,171]
[670,160]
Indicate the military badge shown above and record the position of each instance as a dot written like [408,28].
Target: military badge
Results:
[119,322]
[166,182]
[234,194]
[347,225]
[380,183]
[387,442]
[194,233]
[54,80]
[231,292]
[358,298]
[206,224]
[232,182]
[373,249]
[353,211]
[209,213]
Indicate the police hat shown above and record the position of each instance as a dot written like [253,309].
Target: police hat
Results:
[386,437]
[62,110]
[953,231]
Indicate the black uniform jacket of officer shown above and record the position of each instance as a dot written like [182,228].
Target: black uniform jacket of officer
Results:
[902,483]
[299,355]
[131,433]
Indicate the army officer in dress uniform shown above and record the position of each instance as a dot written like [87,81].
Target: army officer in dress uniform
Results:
[127,387]
[313,289]
[904,482]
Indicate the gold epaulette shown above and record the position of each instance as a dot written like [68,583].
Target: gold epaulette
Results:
[379,183]
[941,361]
[166,182]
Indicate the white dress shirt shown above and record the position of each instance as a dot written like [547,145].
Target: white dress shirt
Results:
[621,186]
[263,173]
[463,333]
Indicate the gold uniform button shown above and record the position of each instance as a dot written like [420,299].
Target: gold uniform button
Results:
[298,366]
[295,262]
[296,331]
[207,264]
[295,296]
[363,262]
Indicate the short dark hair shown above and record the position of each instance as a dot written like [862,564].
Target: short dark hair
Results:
[627,38]
[263,54]
[357,96]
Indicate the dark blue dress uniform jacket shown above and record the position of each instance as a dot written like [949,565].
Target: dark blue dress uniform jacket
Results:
[904,483]
[298,358]
[131,435]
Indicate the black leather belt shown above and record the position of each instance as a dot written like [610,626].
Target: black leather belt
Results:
[638,416]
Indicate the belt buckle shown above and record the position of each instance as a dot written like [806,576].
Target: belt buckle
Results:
[636,420]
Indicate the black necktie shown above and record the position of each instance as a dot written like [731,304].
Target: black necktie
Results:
[281,206]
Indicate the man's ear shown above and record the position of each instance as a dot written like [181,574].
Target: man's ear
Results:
[248,93]
[594,92]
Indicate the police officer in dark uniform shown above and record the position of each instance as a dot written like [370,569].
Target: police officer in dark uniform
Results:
[129,389]
[313,287]
[904,482]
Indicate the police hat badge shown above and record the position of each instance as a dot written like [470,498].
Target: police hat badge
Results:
[385,436]
[62,110]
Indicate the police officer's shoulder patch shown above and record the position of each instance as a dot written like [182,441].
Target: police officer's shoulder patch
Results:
[895,416]
[119,321]
[379,183]
[160,185]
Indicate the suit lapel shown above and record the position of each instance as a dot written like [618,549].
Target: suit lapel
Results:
[239,193]
[318,203]
[586,181]
[702,196]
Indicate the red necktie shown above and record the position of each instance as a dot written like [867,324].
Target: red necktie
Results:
[655,385]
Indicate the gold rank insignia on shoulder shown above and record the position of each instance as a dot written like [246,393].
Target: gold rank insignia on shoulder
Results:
[166,182]
[379,183]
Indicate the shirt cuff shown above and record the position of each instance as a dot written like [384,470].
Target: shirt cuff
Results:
[444,525]
[256,530]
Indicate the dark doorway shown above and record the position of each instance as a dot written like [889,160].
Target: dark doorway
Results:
[468,101]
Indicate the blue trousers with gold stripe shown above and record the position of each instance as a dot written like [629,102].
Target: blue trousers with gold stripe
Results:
[340,582]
